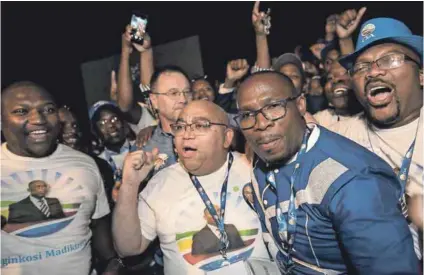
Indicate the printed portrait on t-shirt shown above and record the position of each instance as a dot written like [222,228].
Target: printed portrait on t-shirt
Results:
[248,194]
[37,206]
[207,240]
[198,238]
[38,203]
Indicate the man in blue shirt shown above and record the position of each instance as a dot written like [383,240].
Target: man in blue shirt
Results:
[337,209]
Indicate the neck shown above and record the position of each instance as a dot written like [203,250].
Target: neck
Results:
[216,165]
[284,160]
[17,150]
[342,112]
[165,124]
[415,114]
[115,147]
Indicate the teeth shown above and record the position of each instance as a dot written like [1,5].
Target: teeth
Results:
[39,132]
[377,88]
[340,90]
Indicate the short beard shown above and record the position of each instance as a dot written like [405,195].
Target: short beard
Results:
[388,122]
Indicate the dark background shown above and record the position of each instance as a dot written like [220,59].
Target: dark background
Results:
[46,42]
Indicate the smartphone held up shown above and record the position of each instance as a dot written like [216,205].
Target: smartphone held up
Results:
[138,28]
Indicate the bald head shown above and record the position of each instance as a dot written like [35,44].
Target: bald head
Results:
[205,109]
[265,80]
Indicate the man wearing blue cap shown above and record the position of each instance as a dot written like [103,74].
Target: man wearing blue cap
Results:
[386,70]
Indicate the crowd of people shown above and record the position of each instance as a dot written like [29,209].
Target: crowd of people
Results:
[308,163]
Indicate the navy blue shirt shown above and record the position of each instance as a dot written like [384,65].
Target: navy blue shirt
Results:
[348,219]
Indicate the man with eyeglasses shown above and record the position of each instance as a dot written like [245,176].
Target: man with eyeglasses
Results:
[386,70]
[172,205]
[330,204]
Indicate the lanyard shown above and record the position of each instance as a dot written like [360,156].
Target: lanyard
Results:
[287,229]
[403,176]
[117,172]
[219,219]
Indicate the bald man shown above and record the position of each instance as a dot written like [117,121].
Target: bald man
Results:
[30,124]
[172,205]
[331,205]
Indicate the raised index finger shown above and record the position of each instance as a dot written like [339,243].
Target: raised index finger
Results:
[256,7]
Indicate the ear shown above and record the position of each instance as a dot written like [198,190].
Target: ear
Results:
[153,101]
[228,138]
[421,77]
[301,104]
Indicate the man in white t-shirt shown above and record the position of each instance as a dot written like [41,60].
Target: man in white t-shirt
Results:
[172,206]
[386,70]
[340,96]
[52,243]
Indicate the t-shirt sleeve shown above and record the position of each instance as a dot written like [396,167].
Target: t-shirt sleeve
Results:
[146,211]
[102,204]
[372,230]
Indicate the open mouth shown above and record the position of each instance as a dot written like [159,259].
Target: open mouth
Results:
[379,95]
[340,91]
[188,151]
[204,98]
[38,135]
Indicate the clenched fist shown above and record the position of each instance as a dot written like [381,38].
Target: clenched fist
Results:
[137,166]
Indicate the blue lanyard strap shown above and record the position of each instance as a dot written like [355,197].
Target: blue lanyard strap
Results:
[403,177]
[287,229]
[219,219]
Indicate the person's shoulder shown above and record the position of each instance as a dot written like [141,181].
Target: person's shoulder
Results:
[15,204]
[77,157]
[241,166]
[348,153]
[164,180]
[351,127]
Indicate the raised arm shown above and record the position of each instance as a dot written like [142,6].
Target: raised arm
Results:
[347,23]
[126,226]
[263,59]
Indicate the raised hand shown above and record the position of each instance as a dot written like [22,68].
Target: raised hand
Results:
[330,25]
[127,45]
[137,166]
[236,69]
[261,21]
[348,22]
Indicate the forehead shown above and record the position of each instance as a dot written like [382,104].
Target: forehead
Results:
[289,69]
[107,113]
[169,80]
[26,95]
[38,183]
[197,112]
[262,89]
[201,83]
[65,115]
[379,50]
[336,67]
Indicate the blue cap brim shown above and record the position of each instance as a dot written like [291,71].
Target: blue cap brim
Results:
[414,42]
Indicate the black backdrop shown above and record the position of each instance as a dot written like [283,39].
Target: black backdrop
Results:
[46,42]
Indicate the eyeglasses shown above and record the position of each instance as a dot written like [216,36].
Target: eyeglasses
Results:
[198,128]
[112,120]
[176,94]
[273,111]
[387,62]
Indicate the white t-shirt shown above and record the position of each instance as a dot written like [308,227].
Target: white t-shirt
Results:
[146,120]
[50,246]
[172,209]
[328,117]
[390,144]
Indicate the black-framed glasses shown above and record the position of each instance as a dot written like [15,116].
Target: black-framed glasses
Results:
[176,94]
[387,62]
[198,128]
[112,120]
[272,111]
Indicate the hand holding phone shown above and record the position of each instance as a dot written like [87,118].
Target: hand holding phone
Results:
[138,28]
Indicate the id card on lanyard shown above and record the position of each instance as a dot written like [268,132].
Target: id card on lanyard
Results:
[218,218]
[287,227]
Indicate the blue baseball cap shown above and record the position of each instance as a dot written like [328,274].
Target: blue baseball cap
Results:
[96,106]
[381,30]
